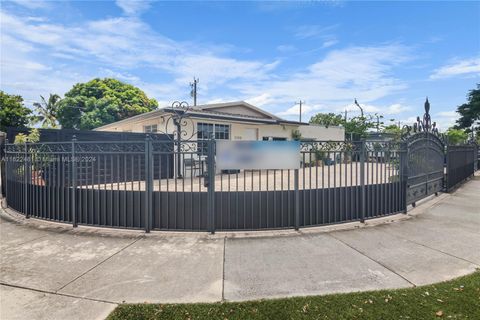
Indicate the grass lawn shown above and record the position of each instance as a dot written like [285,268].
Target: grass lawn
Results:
[456,299]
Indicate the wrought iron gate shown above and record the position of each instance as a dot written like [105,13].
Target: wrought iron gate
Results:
[426,159]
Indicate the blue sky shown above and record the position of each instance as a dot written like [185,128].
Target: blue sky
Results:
[388,55]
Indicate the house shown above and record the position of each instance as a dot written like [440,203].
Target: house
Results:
[228,121]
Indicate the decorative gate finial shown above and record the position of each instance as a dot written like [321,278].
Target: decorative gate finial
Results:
[422,125]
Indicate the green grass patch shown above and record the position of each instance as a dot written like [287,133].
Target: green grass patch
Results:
[456,299]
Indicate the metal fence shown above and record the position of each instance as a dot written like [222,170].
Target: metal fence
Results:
[174,185]
[426,165]
[461,164]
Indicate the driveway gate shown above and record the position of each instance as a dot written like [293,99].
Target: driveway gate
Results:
[426,158]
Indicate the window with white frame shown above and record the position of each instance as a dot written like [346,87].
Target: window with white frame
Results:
[219,131]
[222,131]
[150,129]
[206,130]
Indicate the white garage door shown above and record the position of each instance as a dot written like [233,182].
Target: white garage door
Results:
[249,134]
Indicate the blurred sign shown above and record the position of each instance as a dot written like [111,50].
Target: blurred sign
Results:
[257,155]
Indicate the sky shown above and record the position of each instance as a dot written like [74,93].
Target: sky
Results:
[388,55]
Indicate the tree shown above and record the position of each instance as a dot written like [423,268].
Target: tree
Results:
[33,136]
[327,119]
[470,111]
[355,128]
[296,135]
[47,111]
[12,111]
[394,130]
[102,101]
[456,136]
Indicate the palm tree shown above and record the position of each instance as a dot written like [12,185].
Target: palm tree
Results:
[47,111]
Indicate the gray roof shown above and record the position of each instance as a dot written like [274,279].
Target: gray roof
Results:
[203,111]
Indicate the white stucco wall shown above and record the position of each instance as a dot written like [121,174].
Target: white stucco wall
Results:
[322,133]
[238,130]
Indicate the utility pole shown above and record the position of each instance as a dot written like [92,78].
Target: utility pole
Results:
[193,93]
[300,104]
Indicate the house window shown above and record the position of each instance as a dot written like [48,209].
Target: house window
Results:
[150,129]
[205,132]
[219,131]
[222,132]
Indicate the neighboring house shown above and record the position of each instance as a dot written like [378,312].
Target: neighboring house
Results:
[380,136]
[229,121]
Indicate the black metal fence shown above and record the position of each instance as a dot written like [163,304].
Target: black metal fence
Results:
[425,166]
[167,185]
[171,185]
[461,164]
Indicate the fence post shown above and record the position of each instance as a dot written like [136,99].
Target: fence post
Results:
[475,158]
[25,180]
[404,174]
[74,184]
[6,174]
[148,183]
[362,181]
[447,171]
[474,155]
[296,200]
[211,186]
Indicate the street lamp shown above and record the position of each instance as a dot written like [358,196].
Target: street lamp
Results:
[361,109]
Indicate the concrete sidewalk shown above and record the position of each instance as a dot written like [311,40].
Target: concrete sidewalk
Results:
[49,271]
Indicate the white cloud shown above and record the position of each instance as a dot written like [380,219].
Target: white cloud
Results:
[307,111]
[329,43]
[458,68]
[119,75]
[397,108]
[113,47]
[317,32]
[447,114]
[313,31]
[445,119]
[334,81]
[392,109]
[36,19]
[216,70]
[133,7]
[39,57]
[31,4]
[261,100]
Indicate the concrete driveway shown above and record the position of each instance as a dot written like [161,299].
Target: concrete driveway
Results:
[50,271]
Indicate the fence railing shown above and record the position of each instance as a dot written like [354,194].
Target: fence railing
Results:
[171,185]
[461,164]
